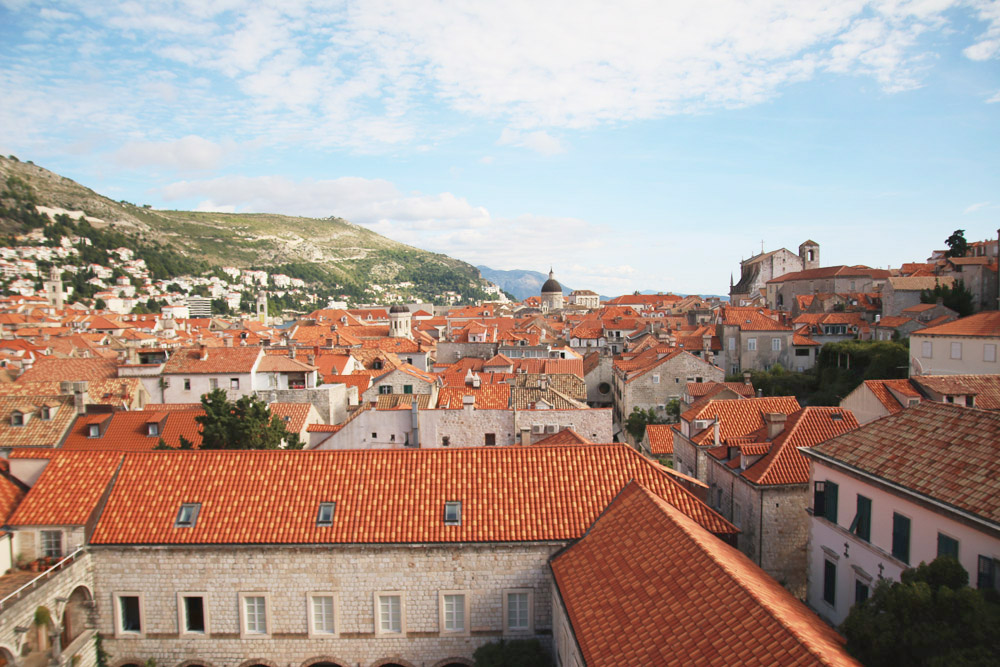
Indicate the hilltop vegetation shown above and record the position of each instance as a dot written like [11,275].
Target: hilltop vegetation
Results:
[334,256]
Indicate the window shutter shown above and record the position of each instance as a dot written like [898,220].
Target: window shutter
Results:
[831,502]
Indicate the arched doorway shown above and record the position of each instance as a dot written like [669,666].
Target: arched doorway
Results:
[76,615]
[6,657]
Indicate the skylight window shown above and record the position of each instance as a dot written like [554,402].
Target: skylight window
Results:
[187,515]
[453,513]
[324,517]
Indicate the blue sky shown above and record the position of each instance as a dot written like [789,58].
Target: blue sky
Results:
[644,145]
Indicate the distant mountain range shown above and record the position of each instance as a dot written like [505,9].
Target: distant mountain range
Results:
[519,283]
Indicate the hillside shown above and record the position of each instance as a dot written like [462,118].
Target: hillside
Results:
[518,282]
[336,256]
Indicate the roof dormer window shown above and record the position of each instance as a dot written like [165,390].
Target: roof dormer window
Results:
[93,430]
[153,429]
[47,413]
[17,418]
[324,517]
[187,515]
[453,513]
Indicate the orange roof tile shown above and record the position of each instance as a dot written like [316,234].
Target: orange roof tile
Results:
[986,324]
[382,496]
[783,463]
[488,396]
[737,417]
[661,438]
[218,360]
[986,388]
[567,436]
[750,319]
[10,497]
[128,430]
[293,415]
[716,607]
[68,490]
[59,370]
[698,389]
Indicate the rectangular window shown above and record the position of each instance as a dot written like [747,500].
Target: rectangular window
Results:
[254,614]
[385,389]
[127,609]
[453,613]
[987,573]
[901,537]
[407,388]
[390,613]
[52,543]
[776,344]
[94,431]
[989,352]
[825,500]
[861,591]
[862,523]
[517,611]
[213,383]
[153,429]
[322,614]
[751,344]
[956,350]
[732,344]
[187,515]
[324,517]
[193,616]
[453,513]
[187,384]
[234,383]
[830,582]
[927,349]
[947,546]
[656,378]
[737,515]
[490,439]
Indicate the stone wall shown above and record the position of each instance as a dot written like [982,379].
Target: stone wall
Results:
[288,574]
[449,353]
[672,376]
[330,400]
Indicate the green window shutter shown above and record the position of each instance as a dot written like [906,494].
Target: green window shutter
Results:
[947,546]
[901,538]
[831,502]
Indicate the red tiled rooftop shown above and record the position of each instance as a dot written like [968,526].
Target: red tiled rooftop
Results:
[985,324]
[737,417]
[68,490]
[128,430]
[661,439]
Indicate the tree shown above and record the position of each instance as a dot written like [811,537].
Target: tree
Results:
[957,245]
[512,653]
[931,617]
[246,423]
[957,297]
[636,422]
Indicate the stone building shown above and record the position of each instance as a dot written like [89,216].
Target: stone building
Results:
[552,294]
[783,290]
[651,379]
[753,338]
[756,271]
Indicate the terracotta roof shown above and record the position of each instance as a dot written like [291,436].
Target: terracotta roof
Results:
[128,430]
[919,308]
[737,417]
[567,436]
[939,450]
[698,389]
[660,438]
[986,323]
[283,364]
[402,401]
[880,389]
[800,340]
[830,272]
[218,360]
[986,388]
[488,396]
[715,608]
[750,319]
[10,497]
[68,490]
[892,321]
[360,380]
[35,431]
[293,415]
[918,283]
[115,391]
[382,496]
[323,428]
[74,370]
[783,463]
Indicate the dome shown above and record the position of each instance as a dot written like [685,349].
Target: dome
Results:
[399,309]
[551,285]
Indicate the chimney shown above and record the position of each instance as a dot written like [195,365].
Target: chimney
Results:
[746,378]
[203,352]
[291,352]
[227,341]
[329,342]
[543,383]
[775,422]
[468,403]
[311,359]
[525,439]
[715,431]
[65,387]
[476,382]
[414,425]
[80,397]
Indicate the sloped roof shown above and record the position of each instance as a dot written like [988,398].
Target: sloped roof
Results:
[293,415]
[74,370]
[985,387]
[567,436]
[831,272]
[716,607]
[880,389]
[939,450]
[986,324]
[282,364]
[918,283]
[68,490]
[660,438]
[127,430]
[737,417]
[10,497]
[699,389]
[488,396]
[382,496]
[218,360]
[750,319]
[36,432]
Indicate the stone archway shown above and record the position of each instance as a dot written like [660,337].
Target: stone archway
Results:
[129,662]
[325,661]
[195,663]
[76,615]
[6,657]
[392,662]
[257,662]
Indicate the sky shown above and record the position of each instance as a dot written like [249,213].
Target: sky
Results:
[628,145]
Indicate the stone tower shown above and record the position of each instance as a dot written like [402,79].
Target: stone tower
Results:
[399,322]
[809,252]
[262,308]
[552,295]
[54,288]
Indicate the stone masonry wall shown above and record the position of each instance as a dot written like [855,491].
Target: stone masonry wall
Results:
[288,574]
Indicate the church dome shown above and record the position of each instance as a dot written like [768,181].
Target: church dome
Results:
[551,286]
[398,309]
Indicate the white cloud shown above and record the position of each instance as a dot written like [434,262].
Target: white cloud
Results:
[994,99]
[538,141]
[975,207]
[190,153]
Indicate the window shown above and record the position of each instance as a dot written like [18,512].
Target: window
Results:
[732,344]
[802,352]
[445,441]
[453,513]
[192,613]
[947,546]
[407,388]
[187,515]
[234,383]
[927,349]
[254,612]
[989,352]
[52,543]
[987,573]
[825,500]
[213,383]
[491,439]
[454,612]
[901,537]
[187,384]
[517,611]
[17,418]
[322,614]
[776,344]
[389,613]
[751,344]
[656,378]
[956,350]
[94,431]
[324,517]
[152,428]
[830,582]
[861,591]
[385,389]
[128,613]
[46,413]
[862,523]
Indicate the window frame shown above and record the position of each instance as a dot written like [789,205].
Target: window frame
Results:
[926,349]
[861,525]
[989,352]
[830,582]
[956,350]
[320,520]
[44,548]
[385,390]
[213,383]
[379,631]
[507,628]
[234,384]
[311,597]
[93,430]
[118,616]
[189,512]
[776,345]
[751,344]
[182,614]
[245,632]
[451,518]
[442,613]
[897,523]
[152,429]
[946,539]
